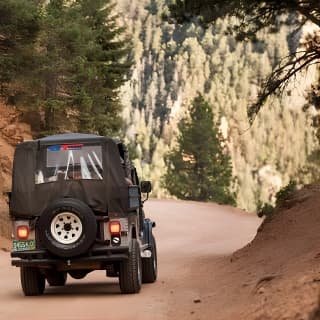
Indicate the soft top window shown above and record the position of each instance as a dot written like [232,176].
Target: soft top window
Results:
[69,162]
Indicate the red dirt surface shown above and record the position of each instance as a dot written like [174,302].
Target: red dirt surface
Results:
[277,275]
[5,244]
[12,131]
[187,234]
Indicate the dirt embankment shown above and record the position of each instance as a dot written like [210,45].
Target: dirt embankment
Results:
[275,277]
[280,268]
[12,131]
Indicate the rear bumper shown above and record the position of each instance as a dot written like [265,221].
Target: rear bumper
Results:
[42,259]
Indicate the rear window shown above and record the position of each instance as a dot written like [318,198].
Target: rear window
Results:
[69,162]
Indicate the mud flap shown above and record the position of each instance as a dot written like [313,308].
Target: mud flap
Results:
[147,232]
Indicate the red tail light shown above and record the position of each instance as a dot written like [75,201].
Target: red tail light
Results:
[22,232]
[115,227]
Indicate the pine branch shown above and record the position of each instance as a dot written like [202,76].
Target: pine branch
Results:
[279,79]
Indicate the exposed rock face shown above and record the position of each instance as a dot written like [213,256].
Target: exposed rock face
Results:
[12,132]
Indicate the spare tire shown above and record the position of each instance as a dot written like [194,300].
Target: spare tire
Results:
[67,228]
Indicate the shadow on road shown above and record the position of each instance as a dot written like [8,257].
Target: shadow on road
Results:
[76,289]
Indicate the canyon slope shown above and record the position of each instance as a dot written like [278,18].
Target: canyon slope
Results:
[173,63]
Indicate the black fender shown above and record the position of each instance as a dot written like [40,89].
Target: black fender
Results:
[148,225]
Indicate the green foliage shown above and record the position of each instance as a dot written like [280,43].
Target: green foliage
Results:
[284,193]
[265,209]
[253,16]
[310,172]
[19,26]
[199,168]
[314,102]
[81,62]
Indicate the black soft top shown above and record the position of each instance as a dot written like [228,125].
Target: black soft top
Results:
[71,137]
[107,195]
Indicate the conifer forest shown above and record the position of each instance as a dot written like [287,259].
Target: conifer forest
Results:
[172,63]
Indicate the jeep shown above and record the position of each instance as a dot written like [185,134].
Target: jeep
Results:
[76,206]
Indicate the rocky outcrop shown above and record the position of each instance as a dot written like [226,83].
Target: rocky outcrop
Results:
[12,132]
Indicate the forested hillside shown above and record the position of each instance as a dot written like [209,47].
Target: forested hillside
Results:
[173,63]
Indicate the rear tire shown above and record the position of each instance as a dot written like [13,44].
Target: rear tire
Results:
[65,220]
[150,265]
[130,277]
[32,281]
[56,278]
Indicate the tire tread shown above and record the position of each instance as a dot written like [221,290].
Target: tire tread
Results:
[32,281]
[129,279]
[149,273]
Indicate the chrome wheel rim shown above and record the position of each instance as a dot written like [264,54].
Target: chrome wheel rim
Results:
[66,227]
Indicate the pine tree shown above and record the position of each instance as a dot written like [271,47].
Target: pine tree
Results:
[85,64]
[199,167]
[106,69]
[19,27]
[81,59]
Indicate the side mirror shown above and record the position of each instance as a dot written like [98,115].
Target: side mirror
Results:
[145,186]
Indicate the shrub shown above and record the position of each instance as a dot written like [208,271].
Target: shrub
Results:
[265,209]
[285,192]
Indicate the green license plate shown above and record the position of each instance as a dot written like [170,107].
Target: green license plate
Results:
[23,245]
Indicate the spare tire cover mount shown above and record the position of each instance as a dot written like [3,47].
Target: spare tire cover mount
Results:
[67,228]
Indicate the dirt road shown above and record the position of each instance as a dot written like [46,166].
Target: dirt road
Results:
[194,243]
